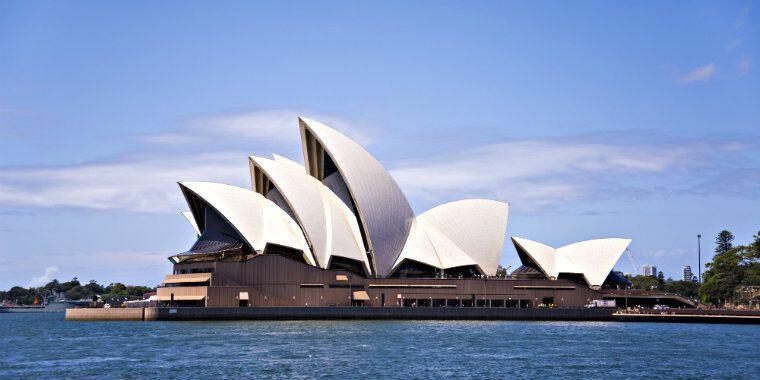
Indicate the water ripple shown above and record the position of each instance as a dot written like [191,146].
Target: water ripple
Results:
[44,345]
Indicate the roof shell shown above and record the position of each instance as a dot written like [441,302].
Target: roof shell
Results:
[327,223]
[190,219]
[258,220]
[477,226]
[384,213]
[594,259]
[466,232]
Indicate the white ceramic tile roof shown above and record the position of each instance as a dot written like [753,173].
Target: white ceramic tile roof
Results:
[258,220]
[190,219]
[594,259]
[328,224]
[466,232]
[384,213]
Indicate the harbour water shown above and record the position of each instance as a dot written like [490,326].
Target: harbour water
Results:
[43,345]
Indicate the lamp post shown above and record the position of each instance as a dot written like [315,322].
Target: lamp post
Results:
[699,256]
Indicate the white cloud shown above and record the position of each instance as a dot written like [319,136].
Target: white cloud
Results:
[270,126]
[45,278]
[147,183]
[666,253]
[699,74]
[532,174]
[134,183]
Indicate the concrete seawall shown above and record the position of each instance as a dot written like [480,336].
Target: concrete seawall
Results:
[395,313]
[688,318]
[131,314]
[336,313]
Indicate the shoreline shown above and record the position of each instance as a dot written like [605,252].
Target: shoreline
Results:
[398,313]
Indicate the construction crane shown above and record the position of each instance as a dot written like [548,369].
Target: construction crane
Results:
[633,262]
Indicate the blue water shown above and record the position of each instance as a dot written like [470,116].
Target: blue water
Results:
[46,346]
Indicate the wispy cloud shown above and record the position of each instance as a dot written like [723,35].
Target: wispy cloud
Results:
[539,173]
[741,18]
[700,74]
[270,126]
[209,148]
[734,44]
[135,183]
[45,278]
[532,174]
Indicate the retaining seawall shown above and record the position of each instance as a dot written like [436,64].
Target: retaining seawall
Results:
[102,314]
[396,313]
[335,313]
[688,318]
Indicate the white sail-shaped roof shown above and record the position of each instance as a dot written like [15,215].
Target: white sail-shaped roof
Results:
[461,233]
[258,220]
[419,248]
[190,219]
[328,224]
[477,226]
[594,259]
[383,212]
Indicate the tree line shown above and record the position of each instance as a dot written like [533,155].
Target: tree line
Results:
[73,290]
[731,268]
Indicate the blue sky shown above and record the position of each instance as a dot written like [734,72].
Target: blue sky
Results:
[597,119]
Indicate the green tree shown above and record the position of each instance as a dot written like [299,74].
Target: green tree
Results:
[684,288]
[501,272]
[74,290]
[21,295]
[79,292]
[724,242]
[94,287]
[644,282]
[723,275]
[750,263]
[755,246]
[53,286]
[65,286]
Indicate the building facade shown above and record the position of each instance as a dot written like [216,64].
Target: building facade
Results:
[687,275]
[338,231]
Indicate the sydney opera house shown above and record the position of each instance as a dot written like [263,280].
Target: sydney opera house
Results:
[339,231]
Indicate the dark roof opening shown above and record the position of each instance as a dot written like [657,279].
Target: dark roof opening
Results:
[466,271]
[351,265]
[414,269]
[291,253]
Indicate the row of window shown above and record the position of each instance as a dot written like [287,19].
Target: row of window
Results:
[194,270]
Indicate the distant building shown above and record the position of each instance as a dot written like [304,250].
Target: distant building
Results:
[687,275]
[649,270]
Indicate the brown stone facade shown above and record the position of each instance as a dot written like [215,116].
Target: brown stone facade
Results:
[273,280]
